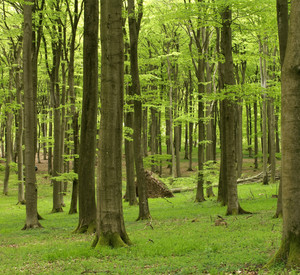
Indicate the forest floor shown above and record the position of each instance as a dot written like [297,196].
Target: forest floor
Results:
[183,237]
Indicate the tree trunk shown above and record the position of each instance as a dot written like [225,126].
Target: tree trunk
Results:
[272,145]
[19,137]
[55,90]
[228,117]
[289,251]
[74,19]
[134,27]
[8,147]
[201,131]
[283,28]
[29,105]
[50,143]
[110,222]
[86,170]
[263,73]
[255,135]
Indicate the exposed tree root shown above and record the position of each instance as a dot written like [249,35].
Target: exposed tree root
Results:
[86,228]
[199,200]
[57,210]
[142,218]
[72,211]
[32,226]
[111,239]
[238,211]
[288,253]
[39,217]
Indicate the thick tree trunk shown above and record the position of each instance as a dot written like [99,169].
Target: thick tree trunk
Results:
[110,222]
[289,251]
[228,118]
[86,170]
[29,105]
[283,28]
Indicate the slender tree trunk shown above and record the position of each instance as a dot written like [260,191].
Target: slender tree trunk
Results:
[86,170]
[74,19]
[55,90]
[19,137]
[201,131]
[255,136]
[272,145]
[134,27]
[130,194]
[263,73]
[8,147]
[50,143]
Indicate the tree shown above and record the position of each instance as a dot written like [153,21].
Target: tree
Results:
[86,171]
[289,251]
[74,20]
[134,28]
[110,221]
[283,27]
[29,105]
[228,118]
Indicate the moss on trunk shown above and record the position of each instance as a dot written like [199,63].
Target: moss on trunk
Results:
[86,228]
[288,253]
[32,226]
[111,239]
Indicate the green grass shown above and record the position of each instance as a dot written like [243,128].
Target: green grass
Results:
[184,239]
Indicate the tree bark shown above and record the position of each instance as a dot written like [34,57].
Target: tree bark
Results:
[86,169]
[110,222]
[74,19]
[8,142]
[289,251]
[263,73]
[283,28]
[19,137]
[228,114]
[134,27]
[29,105]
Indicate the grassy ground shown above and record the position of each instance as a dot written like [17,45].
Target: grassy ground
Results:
[181,239]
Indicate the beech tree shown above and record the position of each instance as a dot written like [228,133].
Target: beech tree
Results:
[289,251]
[134,28]
[87,153]
[29,105]
[110,222]
[228,119]
[283,27]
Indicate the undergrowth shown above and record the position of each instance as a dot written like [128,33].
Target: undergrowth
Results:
[181,238]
